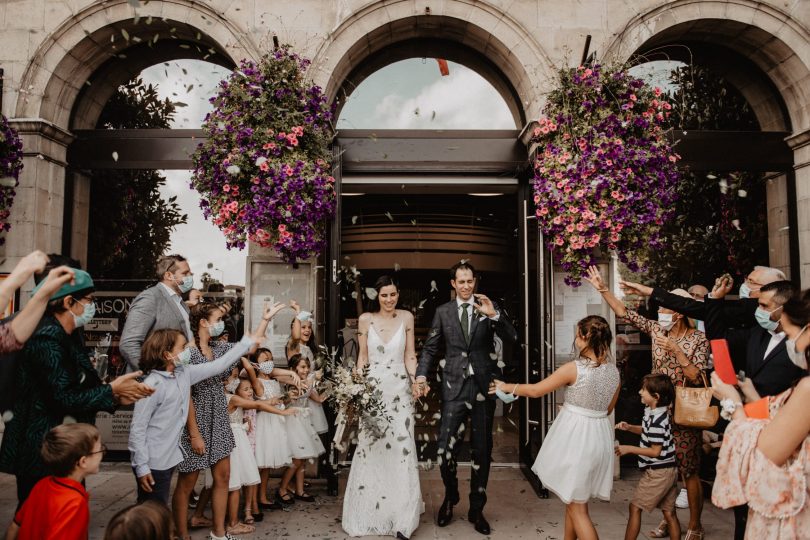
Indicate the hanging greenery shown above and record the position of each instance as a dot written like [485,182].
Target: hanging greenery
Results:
[604,176]
[263,173]
[10,167]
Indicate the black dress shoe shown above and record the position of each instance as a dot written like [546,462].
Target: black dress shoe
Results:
[270,506]
[401,536]
[446,512]
[479,522]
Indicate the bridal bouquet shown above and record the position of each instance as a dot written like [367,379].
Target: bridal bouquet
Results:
[355,396]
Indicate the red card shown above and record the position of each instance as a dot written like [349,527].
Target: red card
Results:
[757,409]
[722,361]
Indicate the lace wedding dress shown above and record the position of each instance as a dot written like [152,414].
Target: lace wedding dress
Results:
[383,496]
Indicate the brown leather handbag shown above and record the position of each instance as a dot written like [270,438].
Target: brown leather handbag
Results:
[693,406]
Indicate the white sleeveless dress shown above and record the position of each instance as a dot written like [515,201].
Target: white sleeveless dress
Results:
[383,495]
[576,459]
[272,448]
[244,471]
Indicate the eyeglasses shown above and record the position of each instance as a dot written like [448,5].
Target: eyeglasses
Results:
[102,451]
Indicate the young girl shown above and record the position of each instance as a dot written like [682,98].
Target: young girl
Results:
[272,448]
[207,441]
[303,440]
[576,459]
[244,471]
[302,338]
[157,422]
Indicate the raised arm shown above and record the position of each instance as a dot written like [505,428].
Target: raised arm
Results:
[200,372]
[30,264]
[258,387]
[565,375]
[25,323]
[594,277]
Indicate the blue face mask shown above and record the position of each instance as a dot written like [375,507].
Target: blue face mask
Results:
[764,319]
[183,358]
[506,398]
[186,285]
[216,329]
[745,291]
[88,313]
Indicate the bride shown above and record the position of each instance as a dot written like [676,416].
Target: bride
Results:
[383,496]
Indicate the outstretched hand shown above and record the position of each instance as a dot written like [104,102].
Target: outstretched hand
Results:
[722,286]
[594,277]
[272,311]
[628,287]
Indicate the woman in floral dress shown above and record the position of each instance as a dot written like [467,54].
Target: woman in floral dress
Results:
[681,352]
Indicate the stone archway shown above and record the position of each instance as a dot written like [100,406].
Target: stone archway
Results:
[499,41]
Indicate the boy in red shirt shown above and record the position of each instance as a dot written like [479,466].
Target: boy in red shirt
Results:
[57,508]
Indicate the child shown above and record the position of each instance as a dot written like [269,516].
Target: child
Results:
[244,471]
[58,505]
[157,422]
[656,457]
[303,440]
[148,521]
[576,459]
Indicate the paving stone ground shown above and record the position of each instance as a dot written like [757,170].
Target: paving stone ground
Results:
[513,510]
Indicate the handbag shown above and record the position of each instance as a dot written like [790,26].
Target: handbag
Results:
[693,406]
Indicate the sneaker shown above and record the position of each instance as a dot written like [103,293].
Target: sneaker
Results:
[682,501]
[228,536]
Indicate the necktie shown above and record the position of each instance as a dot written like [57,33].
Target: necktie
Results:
[465,322]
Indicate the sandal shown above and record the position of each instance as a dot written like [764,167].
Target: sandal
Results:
[248,520]
[241,528]
[306,497]
[286,499]
[197,522]
[694,534]
[662,531]
[258,517]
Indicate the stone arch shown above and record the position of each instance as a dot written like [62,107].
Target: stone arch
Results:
[776,43]
[88,43]
[507,55]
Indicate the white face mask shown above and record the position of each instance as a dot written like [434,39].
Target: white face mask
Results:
[745,291]
[665,321]
[799,358]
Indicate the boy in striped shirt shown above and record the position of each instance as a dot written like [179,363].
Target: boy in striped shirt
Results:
[656,457]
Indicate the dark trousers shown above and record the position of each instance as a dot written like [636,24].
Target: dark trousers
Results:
[740,521]
[161,491]
[25,484]
[454,414]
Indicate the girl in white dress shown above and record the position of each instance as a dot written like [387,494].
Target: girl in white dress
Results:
[576,459]
[303,441]
[383,495]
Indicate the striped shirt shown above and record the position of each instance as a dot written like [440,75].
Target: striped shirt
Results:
[656,429]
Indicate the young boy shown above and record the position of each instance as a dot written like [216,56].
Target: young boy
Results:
[656,457]
[57,508]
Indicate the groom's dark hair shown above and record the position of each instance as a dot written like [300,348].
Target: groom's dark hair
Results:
[462,265]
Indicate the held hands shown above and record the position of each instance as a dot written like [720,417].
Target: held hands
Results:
[594,277]
[420,389]
[722,286]
[484,305]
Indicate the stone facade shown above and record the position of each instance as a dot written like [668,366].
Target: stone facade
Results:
[50,49]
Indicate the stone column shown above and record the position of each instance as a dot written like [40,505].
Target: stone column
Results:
[778,225]
[800,143]
[36,215]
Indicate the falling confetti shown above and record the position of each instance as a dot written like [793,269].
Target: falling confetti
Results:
[7,416]
[115,156]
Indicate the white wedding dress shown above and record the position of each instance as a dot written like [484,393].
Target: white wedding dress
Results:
[383,496]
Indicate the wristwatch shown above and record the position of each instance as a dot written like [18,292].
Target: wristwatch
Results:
[727,408]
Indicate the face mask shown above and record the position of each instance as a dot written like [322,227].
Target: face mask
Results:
[186,285]
[216,329]
[86,316]
[665,320]
[232,386]
[183,358]
[266,367]
[799,358]
[764,319]
[745,291]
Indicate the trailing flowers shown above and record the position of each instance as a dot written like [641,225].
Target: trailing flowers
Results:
[263,173]
[604,175]
[10,167]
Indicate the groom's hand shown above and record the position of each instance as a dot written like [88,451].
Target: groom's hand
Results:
[484,305]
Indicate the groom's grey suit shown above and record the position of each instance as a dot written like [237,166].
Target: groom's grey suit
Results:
[465,376]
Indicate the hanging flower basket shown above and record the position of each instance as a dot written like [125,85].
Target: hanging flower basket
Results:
[10,167]
[263,173]
[604,175]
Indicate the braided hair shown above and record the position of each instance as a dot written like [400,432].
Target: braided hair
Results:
[201,312]
[595,331]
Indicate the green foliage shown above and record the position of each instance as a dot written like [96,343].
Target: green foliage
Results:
[720,222]
[130,223]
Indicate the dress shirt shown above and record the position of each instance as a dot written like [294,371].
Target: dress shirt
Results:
[158,420]
[470,313]
[183,311]
[776,338]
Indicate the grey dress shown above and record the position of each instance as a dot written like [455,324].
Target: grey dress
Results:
[212,417]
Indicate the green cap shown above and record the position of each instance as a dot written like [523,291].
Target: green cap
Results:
[81,282]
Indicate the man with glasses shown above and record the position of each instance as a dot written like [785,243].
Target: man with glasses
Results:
[160,306]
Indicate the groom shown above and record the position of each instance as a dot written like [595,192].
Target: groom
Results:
[467,325]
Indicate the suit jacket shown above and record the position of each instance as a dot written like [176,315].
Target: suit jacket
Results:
[772,374]
[54,379]
[459,354]
[153,309]
[737,313]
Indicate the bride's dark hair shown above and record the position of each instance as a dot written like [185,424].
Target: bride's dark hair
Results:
[382,281]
